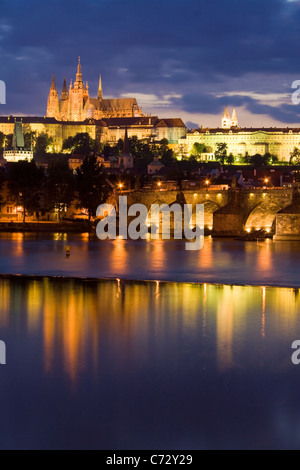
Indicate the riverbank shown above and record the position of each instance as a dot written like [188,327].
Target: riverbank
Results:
[64,227]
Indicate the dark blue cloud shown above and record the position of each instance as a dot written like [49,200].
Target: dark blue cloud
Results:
[192,125]
[207,103]
[188,47]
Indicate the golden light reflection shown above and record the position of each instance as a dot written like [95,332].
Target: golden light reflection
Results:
[263,313]
[119,255]
[18,239]
[87,323]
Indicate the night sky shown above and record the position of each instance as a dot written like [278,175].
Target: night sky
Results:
[179,58]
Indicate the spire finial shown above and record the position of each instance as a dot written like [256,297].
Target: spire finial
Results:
[79,74]
[64,93]
[100,94]
[126,149]
[53,85]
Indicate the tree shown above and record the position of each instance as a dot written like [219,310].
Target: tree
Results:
[92,189]
[230,159]
[198,149]
[30,140]
[42,144]
[221,152]
[1,140]
[257,160]
[25,180]
[81,144]
[295,157]
[59,186]
[2,179]
[8,140]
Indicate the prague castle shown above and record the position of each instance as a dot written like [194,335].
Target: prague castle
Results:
[75,103]
[278,141]
[105,120]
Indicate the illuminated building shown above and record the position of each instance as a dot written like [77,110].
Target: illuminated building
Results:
[241,141]
[75,103]
[18,151]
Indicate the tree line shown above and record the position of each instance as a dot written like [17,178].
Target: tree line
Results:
[36,189]
[222,156]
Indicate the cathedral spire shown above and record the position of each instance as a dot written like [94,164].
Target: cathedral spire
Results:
[100,94]
[53,85]
[234,119]
[126,149]
[53,101]
[79,74]
[226,113]
[226,120]
[64,93]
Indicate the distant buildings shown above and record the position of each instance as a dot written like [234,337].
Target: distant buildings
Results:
[240,141]
[18,151]
[108,130]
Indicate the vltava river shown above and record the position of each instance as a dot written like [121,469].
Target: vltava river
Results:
[116,364]
[220,261]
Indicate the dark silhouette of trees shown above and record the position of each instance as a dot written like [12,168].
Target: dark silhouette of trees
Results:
[91,187]
[81,144]
[60,186]
[25,184]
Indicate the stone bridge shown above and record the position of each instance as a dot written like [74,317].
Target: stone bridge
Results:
[226,212]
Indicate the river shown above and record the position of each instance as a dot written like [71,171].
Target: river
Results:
[175,349]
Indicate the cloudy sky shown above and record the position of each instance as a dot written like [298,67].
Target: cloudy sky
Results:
[180,58]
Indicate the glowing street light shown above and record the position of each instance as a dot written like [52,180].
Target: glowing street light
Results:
[207,182]
[120,185]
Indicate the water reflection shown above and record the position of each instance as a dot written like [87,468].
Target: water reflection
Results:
[84,323]
[220,261]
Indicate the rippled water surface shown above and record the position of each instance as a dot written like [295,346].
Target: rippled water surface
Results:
[120,364]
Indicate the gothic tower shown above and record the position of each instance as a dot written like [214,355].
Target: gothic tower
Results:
[64,93]
[53,101]
[234,119]
[79,94]
[226,121]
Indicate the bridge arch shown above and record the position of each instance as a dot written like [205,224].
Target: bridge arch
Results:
[209,208]
[262,216]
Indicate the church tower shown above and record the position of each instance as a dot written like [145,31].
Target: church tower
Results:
[226,121]
[78,96]
[64,93]
[234,119]
[53,101]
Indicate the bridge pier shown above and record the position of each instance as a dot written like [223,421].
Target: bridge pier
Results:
[288,221]
[228,221]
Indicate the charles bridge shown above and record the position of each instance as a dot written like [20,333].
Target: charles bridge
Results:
[233,212]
